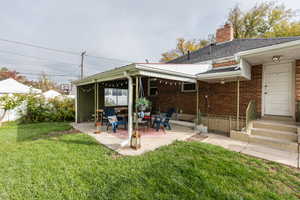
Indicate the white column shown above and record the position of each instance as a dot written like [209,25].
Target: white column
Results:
[238,106]
[130,102]
[197,106]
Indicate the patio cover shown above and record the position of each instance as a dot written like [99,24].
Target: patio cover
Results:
[178,72]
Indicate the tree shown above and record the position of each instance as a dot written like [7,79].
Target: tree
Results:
[263,20]
[182,48]
[6,73]
[44,83]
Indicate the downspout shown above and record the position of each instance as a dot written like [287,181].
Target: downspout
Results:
[130,102]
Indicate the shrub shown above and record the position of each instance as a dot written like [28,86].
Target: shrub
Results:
[39,109]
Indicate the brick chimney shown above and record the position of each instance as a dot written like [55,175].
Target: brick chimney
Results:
[225,33]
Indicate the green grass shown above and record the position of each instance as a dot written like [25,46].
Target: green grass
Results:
[38,165]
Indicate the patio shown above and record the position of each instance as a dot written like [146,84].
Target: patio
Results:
[150,138]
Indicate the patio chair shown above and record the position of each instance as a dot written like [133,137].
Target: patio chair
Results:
[112,119]
[114,122]
[163,120]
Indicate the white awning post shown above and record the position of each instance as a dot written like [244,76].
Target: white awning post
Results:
[130,102]
[95,103]
[197,106]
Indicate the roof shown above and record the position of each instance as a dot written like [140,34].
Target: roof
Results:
[228,49]
[51,94]
[220,70]
[180,72]
[11,86]
[188,69]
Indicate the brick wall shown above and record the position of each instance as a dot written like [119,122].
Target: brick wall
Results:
[221,98]
[297,90]
[225,64]
[297,79]
[225,33]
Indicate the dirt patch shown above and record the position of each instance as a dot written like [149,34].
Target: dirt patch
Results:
[197,138]
[66,132]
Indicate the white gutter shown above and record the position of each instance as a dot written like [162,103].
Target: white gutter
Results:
[219,75]
[132,69]
[106,75]
[268,48]
[170,72]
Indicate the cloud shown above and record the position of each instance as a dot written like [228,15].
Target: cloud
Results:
[132,30]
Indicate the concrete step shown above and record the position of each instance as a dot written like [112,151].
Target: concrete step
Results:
[274,143]
[284,135]
[277,126]
[278,118]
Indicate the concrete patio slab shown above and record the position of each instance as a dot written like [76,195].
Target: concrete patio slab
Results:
[259,151]
[148,142]
[154,141]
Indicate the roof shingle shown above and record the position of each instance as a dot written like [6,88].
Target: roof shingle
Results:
[227,49]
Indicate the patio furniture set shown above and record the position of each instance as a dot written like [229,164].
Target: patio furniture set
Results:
[118,116]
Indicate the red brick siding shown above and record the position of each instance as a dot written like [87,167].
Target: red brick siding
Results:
[170,96]
[225,64]
[225,33]
[221,98]
[297,80]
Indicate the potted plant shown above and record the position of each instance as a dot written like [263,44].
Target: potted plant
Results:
[142,104]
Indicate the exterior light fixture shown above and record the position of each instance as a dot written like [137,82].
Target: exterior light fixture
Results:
[276,59]
[222,82]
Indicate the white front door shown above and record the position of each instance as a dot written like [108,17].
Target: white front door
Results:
[277,89]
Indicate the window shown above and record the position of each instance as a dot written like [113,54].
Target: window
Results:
[115,97]
[152,87]
[188,87]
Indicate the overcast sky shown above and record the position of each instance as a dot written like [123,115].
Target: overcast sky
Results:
[130,30]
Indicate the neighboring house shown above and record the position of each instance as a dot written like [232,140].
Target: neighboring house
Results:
[51,94]
[9,87]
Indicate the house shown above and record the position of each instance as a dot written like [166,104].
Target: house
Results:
[226,81]
[9,87]
[51,94]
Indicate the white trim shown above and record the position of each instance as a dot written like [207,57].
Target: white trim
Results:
[268,48]
[219,75]
[138,69]
[291,89]
[166,76]
[168,72]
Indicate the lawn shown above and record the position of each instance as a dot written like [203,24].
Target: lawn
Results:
[38,163]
